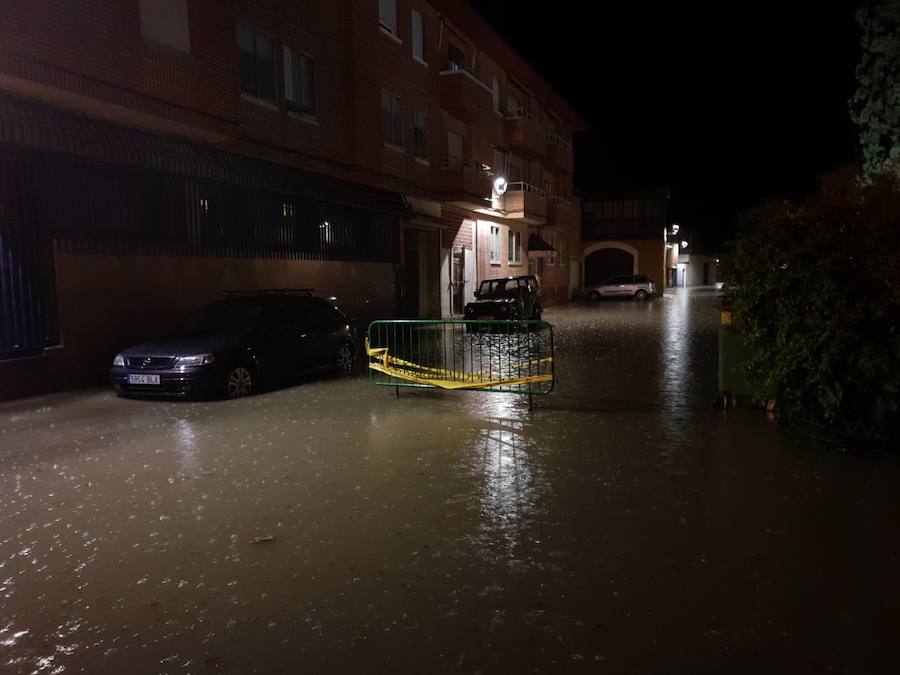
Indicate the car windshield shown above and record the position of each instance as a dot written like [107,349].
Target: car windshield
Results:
[499,288]
[222,317]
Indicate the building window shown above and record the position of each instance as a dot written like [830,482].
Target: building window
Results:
[166,22]
[299,82]
[456,147]
[455,57]
[495,244]
[387,15]
[392,119]
[562,252]
[495,90]
[515,247]
[418,36]
[256,63]
[420,135]
[552,258]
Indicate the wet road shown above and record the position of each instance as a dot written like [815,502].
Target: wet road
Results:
[624,526]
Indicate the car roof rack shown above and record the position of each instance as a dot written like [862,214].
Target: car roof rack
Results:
[233,293]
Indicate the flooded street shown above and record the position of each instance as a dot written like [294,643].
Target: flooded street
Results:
[623,526]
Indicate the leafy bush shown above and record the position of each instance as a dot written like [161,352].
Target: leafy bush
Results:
[816,294]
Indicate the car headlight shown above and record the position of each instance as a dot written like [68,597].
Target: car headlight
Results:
[195,360]
[119,361]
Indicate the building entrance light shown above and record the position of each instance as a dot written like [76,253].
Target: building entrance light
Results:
[684,244]
[675,228]
[500,185]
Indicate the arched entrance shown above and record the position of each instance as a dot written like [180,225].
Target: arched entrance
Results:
[608,259]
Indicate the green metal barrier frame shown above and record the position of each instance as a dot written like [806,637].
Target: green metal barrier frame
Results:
[481,327]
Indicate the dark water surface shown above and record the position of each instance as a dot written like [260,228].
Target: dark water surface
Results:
[624,526]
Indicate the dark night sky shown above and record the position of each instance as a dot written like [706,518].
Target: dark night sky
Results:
[727,102]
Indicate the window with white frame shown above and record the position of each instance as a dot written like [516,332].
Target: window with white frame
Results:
[256,63]
[299,82]
[418,36]
[553,253]
[515,247]
[387,15]
[495,244]
[420,135]
[392,119]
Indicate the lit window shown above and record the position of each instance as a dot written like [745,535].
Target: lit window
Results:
[387,15]
[420,135]
[418,36]
[495,243]
[299,82]
[515,247]
[392,120]
[256,63]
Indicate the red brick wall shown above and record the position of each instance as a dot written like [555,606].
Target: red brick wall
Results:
[94,48]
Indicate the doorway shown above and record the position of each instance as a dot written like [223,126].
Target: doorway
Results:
[457,280]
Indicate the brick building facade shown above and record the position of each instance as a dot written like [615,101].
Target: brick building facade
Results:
[347,146]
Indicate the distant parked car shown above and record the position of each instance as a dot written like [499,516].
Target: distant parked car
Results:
[227,348]
[623,286]
[506,298]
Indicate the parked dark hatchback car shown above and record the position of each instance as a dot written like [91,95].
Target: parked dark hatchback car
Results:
[506,298]
[230,347]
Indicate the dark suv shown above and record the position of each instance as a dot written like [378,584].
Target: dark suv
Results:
[227,348]
[506,298]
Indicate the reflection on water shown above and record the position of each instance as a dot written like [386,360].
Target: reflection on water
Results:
[676,377]
[186,445]
[623,521]
[508,491]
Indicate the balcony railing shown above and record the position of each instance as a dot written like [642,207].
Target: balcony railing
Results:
[454,162]
[559,158]
[525,201]
[462,94]
[524,133]
[522,186]
[560,211]
[465,182]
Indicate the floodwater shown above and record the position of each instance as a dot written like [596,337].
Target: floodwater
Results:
[623,526]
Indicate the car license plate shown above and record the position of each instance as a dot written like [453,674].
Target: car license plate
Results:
[143,379]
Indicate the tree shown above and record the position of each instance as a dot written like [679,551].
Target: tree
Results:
[875,107]
[816,295]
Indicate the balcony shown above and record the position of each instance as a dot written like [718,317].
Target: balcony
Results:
[560,158]
[465,183]
[463,95]
[560,212]
[523,201]
[525,135]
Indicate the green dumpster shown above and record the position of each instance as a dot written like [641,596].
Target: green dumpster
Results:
[733,353]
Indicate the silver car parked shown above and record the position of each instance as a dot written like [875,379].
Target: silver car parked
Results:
[623,286]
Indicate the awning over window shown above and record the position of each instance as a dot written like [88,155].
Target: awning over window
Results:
[538,248]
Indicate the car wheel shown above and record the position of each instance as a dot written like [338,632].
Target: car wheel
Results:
[640,295]
[343,360]
[593,296]
[239,382]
